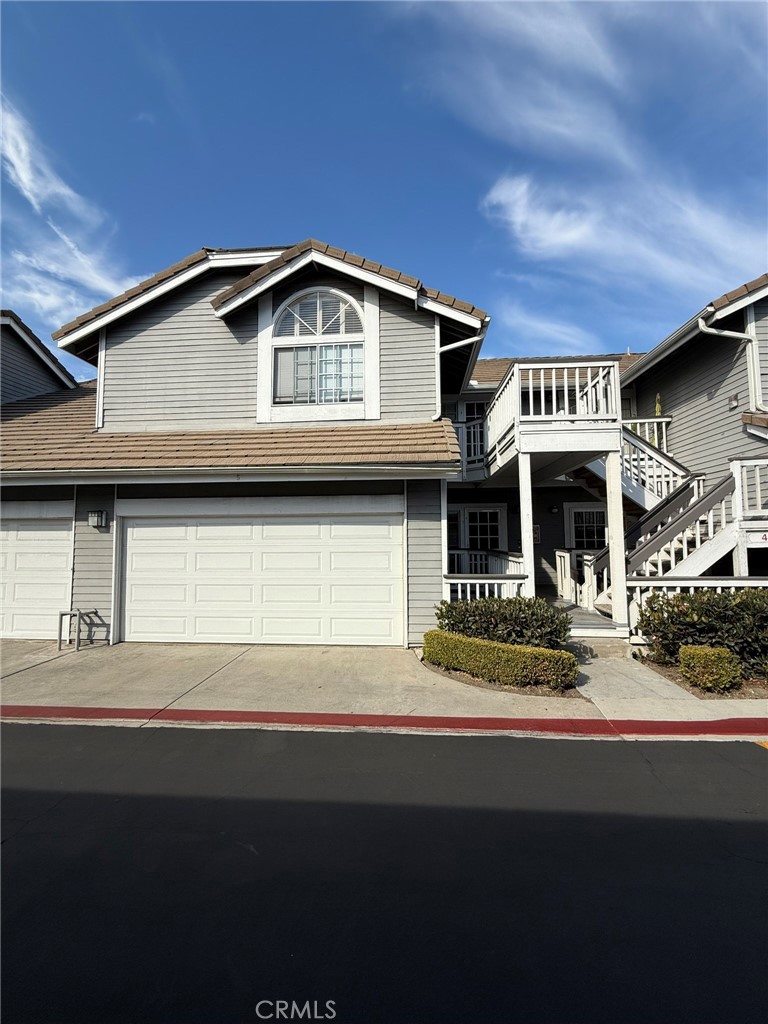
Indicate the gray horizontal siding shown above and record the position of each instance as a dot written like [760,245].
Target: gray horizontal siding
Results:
[22,374]
[696,385]
[175,365]
[425,556]
[761,329]
[92,572]
[407,360]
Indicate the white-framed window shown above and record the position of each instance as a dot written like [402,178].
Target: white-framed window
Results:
[475,532]
[322,368]
[322,350]
[586,525]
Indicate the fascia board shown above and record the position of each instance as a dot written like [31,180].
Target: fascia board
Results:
[220,261]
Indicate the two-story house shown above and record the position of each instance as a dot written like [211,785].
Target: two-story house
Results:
[301,446]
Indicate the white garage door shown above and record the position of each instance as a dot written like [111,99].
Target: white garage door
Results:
[36,574]
[334,579]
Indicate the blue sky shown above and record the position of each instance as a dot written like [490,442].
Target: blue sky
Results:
[590,173]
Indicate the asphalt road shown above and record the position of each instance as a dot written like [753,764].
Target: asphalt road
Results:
[188,875]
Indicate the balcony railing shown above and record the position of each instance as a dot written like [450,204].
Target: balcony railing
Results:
[471,435]
[569,394]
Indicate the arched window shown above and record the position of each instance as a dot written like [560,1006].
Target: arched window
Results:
[324,365]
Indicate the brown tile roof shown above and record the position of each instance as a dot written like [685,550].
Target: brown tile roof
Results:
[55,433]
[740,292]
[138,289]
[345,257]
[755,419]
[491,372]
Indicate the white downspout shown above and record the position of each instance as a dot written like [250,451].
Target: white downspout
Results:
[754,364]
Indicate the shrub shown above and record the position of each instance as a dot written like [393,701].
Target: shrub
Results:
[737,621]
[501,663]
[710,668]
[508,620]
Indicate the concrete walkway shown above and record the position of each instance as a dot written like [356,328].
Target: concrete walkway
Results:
[329,686]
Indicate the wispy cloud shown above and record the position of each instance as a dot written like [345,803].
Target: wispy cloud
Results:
[145,117]
[527,333]
[54,239]
[610,118]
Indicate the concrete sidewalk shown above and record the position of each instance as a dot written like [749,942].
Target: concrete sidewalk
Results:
[330,687]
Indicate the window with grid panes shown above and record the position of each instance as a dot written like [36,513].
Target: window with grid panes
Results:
[589,528]
[483,533]
[325,363]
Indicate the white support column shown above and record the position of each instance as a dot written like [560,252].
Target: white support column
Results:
[526,524]
[615,510]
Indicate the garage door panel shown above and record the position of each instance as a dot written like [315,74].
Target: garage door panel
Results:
[297,629]
[224,593]
[292,529]
[331,579]
[37,576]
[363,594]
[154,559]
[288,593]
[363,562]
[362,630]
[291,561]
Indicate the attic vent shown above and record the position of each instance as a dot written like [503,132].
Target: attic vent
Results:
[316,314]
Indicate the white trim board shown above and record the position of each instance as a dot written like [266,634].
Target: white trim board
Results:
[345,269]
[244,475]
[37,509]
[298,505]
[219,260]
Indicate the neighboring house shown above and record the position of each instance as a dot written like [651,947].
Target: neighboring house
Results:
[301,446]
[27,366]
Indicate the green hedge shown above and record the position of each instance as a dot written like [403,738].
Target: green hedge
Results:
[710,668]
[737,621]
[508,620]
[501,663]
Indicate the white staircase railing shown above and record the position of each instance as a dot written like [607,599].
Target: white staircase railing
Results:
[650,469]
[641,587]
[653,430]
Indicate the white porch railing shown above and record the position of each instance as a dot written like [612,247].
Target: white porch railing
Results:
[653,430]
[465,562]
[581,584]
[470,588]
[751,494]
[640,587]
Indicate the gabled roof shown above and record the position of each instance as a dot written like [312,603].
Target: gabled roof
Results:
[267,261]
[54,434]
[730,302]
[159,283]
[41,351]
[248,286]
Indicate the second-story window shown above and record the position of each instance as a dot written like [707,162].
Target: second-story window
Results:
[325,363]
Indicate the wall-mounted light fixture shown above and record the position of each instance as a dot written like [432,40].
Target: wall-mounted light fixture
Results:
[97,519]
[555,509]
[733,402]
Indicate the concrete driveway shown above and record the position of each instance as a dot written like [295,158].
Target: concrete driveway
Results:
[348,680]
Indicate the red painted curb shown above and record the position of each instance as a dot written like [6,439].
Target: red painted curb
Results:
[441,723]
